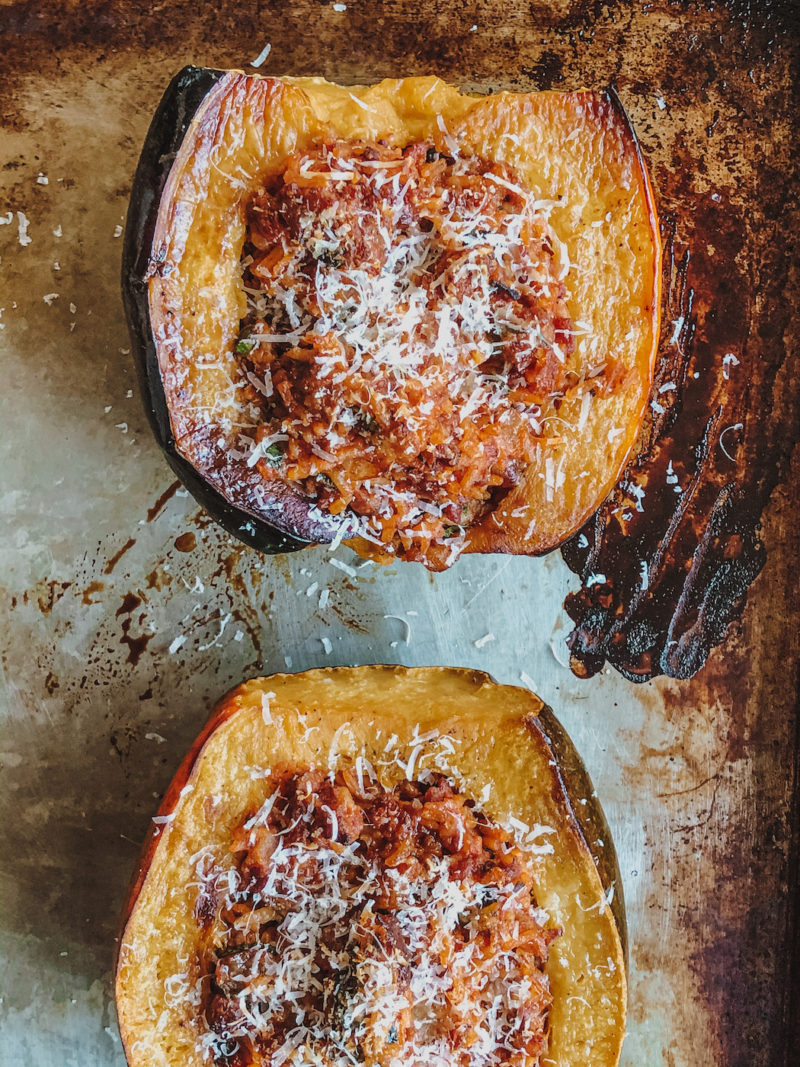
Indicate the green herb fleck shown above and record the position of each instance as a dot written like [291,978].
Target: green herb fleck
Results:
[274,455]
[451,531]
[347,987]
[243,347]
[331,257]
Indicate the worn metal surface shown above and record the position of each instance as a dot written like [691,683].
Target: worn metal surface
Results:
[677,542]
[125,614]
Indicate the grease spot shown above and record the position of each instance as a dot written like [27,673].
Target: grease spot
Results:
[90,590]
[166,496]
[136,645]
[187,542]
[114,560]
[129,603]
[48,594]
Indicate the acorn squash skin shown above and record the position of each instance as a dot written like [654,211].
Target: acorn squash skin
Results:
[502,735]
[173,116]
[290,521]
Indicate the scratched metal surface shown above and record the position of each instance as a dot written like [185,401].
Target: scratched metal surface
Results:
[125,613]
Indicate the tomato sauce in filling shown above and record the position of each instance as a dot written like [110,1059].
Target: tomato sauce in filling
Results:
[361,925]
[406,333]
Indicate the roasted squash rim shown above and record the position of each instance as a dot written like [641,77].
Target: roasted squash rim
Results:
[182,99]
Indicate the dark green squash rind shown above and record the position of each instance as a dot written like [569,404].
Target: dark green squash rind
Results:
[180,102]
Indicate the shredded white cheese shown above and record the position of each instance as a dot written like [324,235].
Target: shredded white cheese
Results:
[262,55]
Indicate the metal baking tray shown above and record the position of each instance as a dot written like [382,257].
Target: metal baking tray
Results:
[126,613]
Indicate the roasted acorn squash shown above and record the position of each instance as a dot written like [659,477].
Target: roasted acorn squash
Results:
[502,747]
[219,137]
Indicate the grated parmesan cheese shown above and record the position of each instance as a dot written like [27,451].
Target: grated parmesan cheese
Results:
[337,989]
[433,297]
[262,55]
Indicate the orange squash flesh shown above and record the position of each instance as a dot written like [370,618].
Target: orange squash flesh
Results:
[576,149]
[500,744]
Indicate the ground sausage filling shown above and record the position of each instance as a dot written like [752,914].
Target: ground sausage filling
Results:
[407,334]
[360,925]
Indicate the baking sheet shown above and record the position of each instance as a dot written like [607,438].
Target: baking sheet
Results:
[125,614]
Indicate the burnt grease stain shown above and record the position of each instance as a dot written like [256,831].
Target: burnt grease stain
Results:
[89,592]
[114,560]
[667,561]
[186,542]
[130,602]
[136,645]
[165,497]
[158,578]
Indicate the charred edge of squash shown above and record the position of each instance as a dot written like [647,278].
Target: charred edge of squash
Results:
[182,99]
[221,712]
[648,190]
[589,819]
[624,118]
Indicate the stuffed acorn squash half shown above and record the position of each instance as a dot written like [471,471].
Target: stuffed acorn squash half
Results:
[416,319]
[376,865]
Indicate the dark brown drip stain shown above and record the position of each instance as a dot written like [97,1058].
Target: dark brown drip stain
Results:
[90,590]
[158,578]
[203,521]
[547,71]
[232,564]
[229,568]
[166,496]
[186,542]
[347,618]
[130,602]
[136,645]
[47,594]
[114,560]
